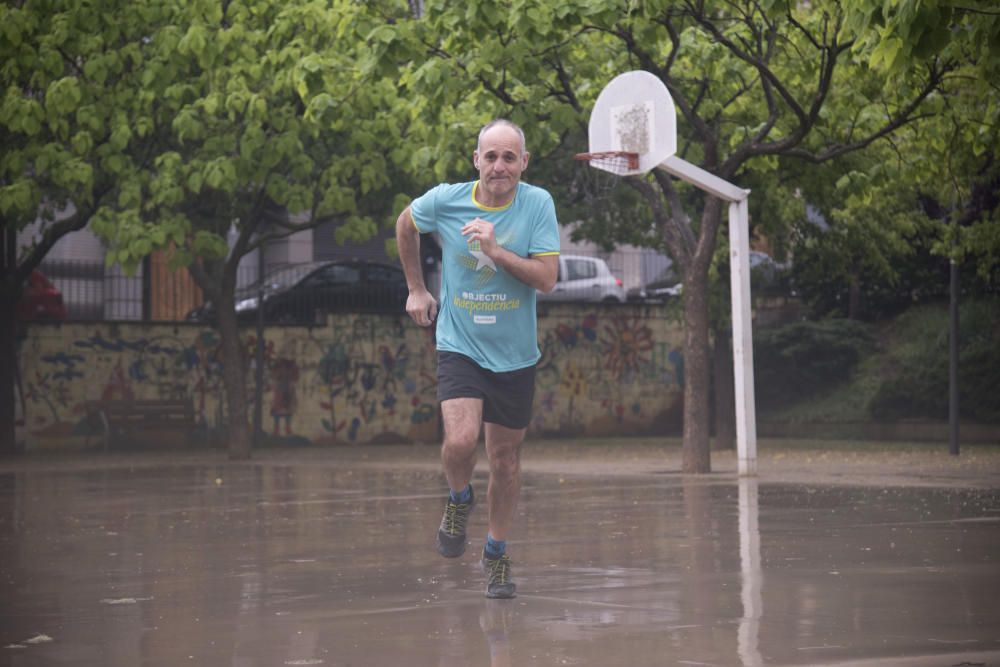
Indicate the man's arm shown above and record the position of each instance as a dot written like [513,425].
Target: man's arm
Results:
[538,271]
[420,304]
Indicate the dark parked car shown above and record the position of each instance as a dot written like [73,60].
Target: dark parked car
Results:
[766,277]
[665,286]
[305,293]
[40,300]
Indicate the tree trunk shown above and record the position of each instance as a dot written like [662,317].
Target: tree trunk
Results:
[233,377]
[854,298]
[9,290]
[725,392]
[694,255]
[696,455]
[8,359]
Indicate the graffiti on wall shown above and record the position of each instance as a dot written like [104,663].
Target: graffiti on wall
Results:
[106,365]
[360,379]
[371,380]
[611,371]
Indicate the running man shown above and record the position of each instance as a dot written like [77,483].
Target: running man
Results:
[500,242]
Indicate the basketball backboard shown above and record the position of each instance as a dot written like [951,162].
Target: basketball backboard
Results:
[634,113]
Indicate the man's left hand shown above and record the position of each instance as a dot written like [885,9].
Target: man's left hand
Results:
[482,231]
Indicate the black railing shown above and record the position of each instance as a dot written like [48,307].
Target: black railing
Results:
[155,292]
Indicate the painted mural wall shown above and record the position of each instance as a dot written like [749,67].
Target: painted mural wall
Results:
[361,379]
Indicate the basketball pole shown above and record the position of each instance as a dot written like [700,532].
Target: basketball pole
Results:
[739,276]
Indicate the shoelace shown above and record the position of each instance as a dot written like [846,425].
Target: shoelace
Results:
[455,516]
[499,569]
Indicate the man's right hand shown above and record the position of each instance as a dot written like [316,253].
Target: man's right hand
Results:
[422,307]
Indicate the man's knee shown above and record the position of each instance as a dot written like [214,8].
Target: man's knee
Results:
[462,439]
[461,435]
[505,461]
[462,423]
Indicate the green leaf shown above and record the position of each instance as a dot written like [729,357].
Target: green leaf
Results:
[195,180]
[62,96]
[82,143]
[384,34]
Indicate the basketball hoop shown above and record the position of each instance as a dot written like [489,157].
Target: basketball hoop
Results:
[603,171]
[616,162]
[635,113]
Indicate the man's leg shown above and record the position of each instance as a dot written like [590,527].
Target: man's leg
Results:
[462,419]
[503,448]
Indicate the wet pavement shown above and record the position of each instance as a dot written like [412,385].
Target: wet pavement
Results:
[271,563]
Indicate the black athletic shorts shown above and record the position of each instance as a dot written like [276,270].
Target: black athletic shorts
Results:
[507,397]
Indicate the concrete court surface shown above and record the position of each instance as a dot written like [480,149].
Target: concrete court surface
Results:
[306,557]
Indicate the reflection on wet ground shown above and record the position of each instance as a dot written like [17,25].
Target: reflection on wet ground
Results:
[255,565]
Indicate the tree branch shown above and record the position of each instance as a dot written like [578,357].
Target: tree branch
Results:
[710,218]
[765,71]
[906,116]
[565,92]
[972,10]
[647,63]
[288,229]
[52,233]
[674,225]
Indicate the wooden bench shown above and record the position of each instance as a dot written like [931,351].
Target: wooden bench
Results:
[131,417]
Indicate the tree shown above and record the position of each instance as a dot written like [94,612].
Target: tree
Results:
[925,195]
[751,81]
[860,253]
[166,124]
[240,150]
[75,126]
[948,166]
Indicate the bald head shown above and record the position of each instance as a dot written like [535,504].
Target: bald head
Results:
[500,122]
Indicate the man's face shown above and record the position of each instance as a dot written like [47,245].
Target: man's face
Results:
[500,160]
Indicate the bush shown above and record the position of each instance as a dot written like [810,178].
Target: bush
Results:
[799,360]
[916,382]
[978,386]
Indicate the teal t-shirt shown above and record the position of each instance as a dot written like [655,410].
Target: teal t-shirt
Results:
[484,312]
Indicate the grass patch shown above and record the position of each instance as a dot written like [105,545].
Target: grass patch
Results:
[778,445]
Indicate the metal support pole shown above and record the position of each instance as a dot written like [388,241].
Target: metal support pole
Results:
[739,273]
[953,445]
[258,394]
[739,248]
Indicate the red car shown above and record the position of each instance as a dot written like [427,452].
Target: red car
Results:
[40,300]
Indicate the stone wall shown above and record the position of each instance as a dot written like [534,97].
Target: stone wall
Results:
[361,379]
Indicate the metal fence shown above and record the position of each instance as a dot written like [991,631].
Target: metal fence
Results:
[93,292]
[156,292]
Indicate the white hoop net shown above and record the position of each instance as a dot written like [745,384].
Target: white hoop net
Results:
[602,172]
[615,162]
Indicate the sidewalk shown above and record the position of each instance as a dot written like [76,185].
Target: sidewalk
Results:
[779,460]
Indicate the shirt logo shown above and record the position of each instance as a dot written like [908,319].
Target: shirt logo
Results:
[477,261]
[482,261]
[484,319]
